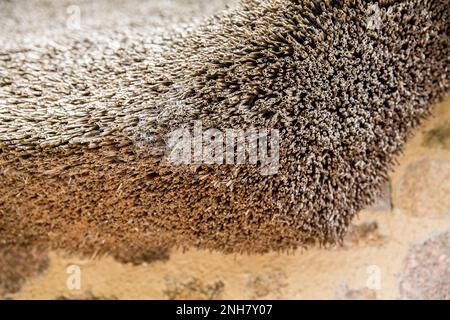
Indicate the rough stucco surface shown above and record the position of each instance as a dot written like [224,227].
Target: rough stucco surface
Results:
[381,236]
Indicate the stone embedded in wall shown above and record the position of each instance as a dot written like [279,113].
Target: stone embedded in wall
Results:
[365,233]
[268,285]
[193,289]
[426,271]
[424,189]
